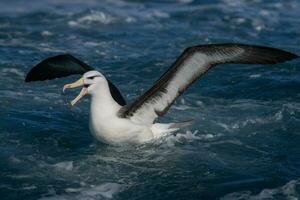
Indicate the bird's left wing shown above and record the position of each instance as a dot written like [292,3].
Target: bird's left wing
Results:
[192,64]
[66,65]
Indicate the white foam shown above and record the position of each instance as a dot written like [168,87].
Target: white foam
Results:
[261,120]
[46,33]
[185,1]
[31,187]
[258,25]
[240,20]
[13,159]
[92,44]
[72,190]
[288,191]
[255,76]
[93,17]
[130,19]
[181,107]
[65,166]
[106,190]
[13,71]
[159,14]
[188,136]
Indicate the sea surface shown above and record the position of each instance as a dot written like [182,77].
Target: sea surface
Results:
[245,140]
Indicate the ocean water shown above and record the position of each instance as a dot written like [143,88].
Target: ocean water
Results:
[244,143]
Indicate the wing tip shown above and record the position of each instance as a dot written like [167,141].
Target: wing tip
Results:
[283,56]
[34,73]
[265,54]
[31,75]
[273,55]
[27,79]
[292,56]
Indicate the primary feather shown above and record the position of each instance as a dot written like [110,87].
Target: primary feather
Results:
[192,64]
[65,65]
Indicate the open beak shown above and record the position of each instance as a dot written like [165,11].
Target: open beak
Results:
[83,91]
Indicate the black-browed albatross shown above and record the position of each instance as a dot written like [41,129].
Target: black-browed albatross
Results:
[113,121]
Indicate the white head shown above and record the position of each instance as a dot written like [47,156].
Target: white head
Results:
[90,80]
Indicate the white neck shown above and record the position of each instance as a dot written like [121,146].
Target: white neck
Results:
[102,102]
[103,112]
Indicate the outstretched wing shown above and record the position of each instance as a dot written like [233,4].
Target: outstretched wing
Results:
[66,65]
[192,64]
[57,67]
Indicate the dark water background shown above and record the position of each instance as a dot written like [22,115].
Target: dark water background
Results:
[244,143]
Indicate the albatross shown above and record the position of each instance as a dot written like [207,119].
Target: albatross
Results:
[113,121]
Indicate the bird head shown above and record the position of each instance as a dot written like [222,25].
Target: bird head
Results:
[88,81]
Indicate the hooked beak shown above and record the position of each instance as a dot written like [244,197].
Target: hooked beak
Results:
[83,91]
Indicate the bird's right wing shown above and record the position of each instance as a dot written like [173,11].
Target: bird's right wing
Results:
[65,65]
[57,67]
[192,64]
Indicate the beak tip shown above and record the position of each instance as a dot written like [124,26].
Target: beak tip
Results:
[64,88]
[73,85]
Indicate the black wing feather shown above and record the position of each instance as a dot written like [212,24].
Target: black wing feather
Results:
[66,65]
[57,67]
[190,65]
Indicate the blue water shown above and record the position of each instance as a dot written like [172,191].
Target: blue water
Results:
[244,143]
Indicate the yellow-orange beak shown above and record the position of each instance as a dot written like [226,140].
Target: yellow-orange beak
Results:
[83,91]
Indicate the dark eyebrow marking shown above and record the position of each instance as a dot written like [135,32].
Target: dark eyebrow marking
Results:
[92,77]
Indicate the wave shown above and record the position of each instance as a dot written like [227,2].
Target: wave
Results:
[289,191]
[105,190]
[93,17]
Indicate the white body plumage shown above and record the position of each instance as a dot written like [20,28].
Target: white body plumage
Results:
[112,123]
[105,123]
